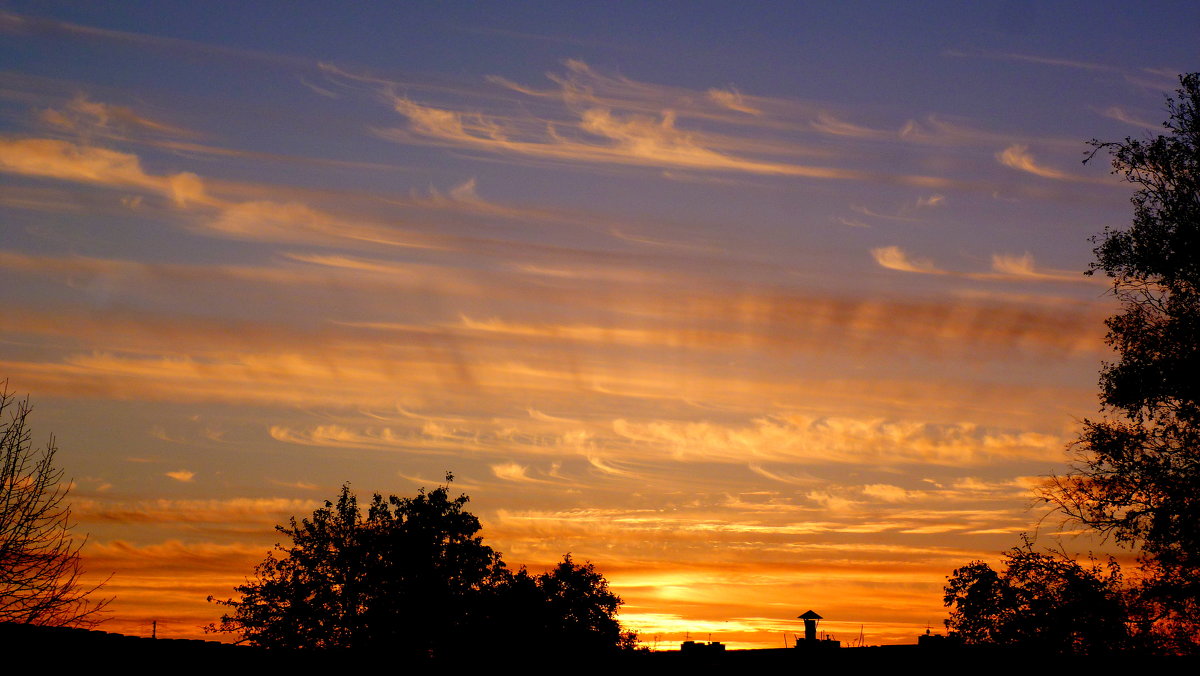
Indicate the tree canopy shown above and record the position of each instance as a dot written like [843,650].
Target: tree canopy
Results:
[568,607]
[1137,470]
[40,562]
[1041,602]
[413,577]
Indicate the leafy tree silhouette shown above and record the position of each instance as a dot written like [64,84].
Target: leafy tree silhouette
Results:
[412,578]
[1041,602]
[1137,470]
[568,609]
[1136,475]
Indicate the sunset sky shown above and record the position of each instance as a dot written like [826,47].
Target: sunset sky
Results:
[758,307]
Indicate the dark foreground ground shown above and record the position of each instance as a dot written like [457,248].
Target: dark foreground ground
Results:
[63,647]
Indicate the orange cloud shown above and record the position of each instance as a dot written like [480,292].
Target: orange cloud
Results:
[1006,268]
[828,124]
[834,440]
[51,158]
[894,258]
[1017,156]
[1023,267]
[1121,115]
[889,493]
[517,473]
[606,137]
[295,222]
[84,116]
[264,511]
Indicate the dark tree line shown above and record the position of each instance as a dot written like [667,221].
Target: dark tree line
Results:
[1136,473]
[411,577]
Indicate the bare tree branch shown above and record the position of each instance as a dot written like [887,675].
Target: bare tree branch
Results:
[40,563]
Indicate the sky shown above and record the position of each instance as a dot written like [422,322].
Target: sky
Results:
[758,307]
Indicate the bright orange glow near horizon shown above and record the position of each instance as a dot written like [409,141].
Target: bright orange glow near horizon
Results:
[757,309]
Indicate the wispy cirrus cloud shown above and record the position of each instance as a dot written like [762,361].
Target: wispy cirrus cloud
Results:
[732,99]
[88,118]
[1038,59]
[1017,156]
[1023,267]
[52,158]
[524,474]
[580,86]
[262,219]
[800,438]
[19,24]
[265,511]
[591,118]
[828,124]
[300,223]
[598,135]
[890,493]
[895,258]
[1005,267]
[1121,115]
[429,438]
[911,211]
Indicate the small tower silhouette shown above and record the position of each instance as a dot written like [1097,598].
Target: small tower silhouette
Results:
[810,625]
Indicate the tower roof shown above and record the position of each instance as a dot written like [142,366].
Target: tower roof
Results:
[810,615]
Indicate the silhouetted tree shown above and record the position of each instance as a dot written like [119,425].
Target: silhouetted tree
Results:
[1137,470]
[40,564]
[1039,602]
[582,609]
[413,578]
[566,609]
[403,577]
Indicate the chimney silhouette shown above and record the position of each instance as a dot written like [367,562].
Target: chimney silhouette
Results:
[810,625]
